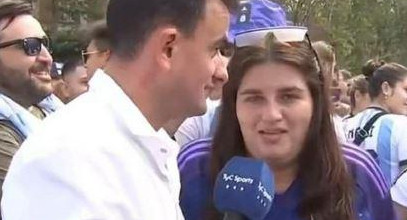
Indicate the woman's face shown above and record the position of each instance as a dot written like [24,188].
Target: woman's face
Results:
[274,109]
[397,101]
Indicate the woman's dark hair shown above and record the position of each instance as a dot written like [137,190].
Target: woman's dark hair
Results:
[326,185]
[377,72]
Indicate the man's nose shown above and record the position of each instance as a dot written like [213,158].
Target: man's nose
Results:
[45,56]
[221,75]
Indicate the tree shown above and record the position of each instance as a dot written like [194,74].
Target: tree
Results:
[63,18]
[359,29]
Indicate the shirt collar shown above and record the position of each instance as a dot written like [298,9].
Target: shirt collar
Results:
[106,88]
[157,144]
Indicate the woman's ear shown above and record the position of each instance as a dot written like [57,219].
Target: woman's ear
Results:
[387,90]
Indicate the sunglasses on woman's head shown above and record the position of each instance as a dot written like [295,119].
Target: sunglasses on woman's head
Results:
[32,45]
[265,37]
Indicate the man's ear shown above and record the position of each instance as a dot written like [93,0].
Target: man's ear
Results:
[106,56]
[166,43]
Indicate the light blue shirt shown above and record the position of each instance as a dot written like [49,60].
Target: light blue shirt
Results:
[386,138]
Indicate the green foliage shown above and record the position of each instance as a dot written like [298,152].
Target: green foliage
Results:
[68,16]
[359,29]
[66,48]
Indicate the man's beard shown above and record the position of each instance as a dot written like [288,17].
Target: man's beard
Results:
[22,87]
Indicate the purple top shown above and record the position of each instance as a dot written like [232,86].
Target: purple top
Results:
[373,200]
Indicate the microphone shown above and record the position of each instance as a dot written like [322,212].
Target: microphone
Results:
[244,188]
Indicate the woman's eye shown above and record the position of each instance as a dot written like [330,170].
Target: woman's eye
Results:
[253,99]
[289,97]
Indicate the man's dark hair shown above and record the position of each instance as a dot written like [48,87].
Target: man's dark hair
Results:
[13,8]
[70,67]
[131,22]
[99,34]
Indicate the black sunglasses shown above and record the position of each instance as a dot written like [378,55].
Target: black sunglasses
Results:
[32,45]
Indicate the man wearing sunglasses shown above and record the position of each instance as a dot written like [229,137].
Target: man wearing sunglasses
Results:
[97,52]
[104,156]
[25,64]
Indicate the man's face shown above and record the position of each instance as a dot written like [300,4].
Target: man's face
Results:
[24,78]
[197,60]
[95,58]
[76,83]
[216,92]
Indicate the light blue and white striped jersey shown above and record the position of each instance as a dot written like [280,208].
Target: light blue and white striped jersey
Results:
[386,139]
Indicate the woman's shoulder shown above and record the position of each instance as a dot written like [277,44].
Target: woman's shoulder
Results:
[193,151]
[396,119]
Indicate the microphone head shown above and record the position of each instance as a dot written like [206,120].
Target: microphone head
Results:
[245,186]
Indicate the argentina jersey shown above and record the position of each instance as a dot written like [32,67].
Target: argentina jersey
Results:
[385,140]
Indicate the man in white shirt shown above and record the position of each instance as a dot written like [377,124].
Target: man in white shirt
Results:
[104,155]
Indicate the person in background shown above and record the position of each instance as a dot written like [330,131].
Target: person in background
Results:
[74,80]
[380,128]
[326,54]
[284,120]
[327,58]
[343,80]
[57,81]
[25,64]
[104,156]
[342,107]
[98,48]
[359,95]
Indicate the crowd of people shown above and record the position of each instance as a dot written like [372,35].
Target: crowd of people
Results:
[167,92]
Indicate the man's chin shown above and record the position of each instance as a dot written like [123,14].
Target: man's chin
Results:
[43,91]
[200,110]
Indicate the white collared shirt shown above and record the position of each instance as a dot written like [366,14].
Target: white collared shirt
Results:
[98,158]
